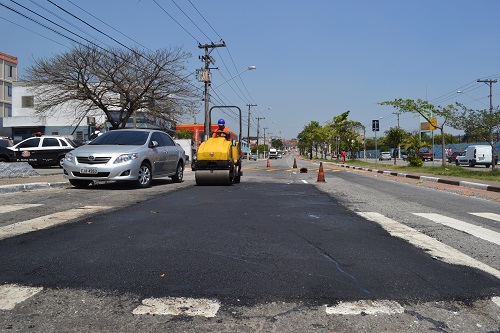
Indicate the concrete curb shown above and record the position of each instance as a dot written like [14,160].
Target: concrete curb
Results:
[29,187]
[462,183]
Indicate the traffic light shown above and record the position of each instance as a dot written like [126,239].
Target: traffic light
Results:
[375,125]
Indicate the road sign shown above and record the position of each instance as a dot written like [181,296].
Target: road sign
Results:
[375,125]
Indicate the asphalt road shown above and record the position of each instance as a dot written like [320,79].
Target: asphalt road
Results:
[277,252]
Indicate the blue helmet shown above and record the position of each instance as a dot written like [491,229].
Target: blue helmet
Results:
[221,122]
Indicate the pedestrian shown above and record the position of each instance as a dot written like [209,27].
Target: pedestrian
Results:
[344,154]
[96,133]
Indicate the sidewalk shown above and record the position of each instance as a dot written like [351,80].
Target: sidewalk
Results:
[487,185]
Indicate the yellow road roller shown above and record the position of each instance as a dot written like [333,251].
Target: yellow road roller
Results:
[219,158]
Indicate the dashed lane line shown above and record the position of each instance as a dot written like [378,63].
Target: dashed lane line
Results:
[474,230]
[47,221]
[432,246]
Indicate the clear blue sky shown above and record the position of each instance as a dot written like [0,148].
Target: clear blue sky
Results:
[315,59]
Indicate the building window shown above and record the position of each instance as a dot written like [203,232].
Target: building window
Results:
[8,111]
[9,91]
[11,71]
[28,101]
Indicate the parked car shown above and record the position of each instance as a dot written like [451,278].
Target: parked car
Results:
[6,142]
[477,155]
[460,159]
[453,157]
[43,150]
[133,155]
[385,155]
[425,155]
[253,156]
[6,155]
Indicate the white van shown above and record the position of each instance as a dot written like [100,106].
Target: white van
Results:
[477,155]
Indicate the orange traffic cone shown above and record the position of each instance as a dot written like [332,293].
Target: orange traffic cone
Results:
[321,173]
[295,163]
[268,163]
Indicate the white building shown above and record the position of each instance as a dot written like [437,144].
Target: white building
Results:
[8,74]
[23,121]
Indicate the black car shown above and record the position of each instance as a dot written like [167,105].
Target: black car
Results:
[43,150]
[6,155]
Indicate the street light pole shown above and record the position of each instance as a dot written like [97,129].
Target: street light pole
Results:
[248,131]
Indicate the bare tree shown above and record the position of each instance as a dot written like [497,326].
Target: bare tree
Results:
[119,82]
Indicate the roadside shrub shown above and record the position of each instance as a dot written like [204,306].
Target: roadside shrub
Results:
[415,161]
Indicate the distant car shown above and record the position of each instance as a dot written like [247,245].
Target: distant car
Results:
[385,155]
[133,155]
[6,155]
[426,155]
[280,154]
[253,157]
[43,150]
[461,159]
[453,157]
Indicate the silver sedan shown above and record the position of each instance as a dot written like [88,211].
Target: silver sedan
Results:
[134,155]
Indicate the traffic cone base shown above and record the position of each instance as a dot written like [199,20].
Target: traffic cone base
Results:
[321,173]
[268,164]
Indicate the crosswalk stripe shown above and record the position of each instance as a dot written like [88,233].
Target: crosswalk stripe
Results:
[366,307]
[427,243]
[178,306]
[474,230]
[491,216]
[13,294]
[13,208]
[47,221]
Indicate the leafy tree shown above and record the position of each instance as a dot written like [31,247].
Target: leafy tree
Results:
[277,143]
[395,136]
[427,111]
[480,123]
[310,136]
[184,134]
[118,82]
[347,131]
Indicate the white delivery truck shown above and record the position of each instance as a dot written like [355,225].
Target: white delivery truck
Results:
[478,155]
[273,153]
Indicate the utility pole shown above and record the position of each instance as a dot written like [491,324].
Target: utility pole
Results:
[399,147]
[204,76]
[490,83]
[265,140]
[258,128]
[248,131]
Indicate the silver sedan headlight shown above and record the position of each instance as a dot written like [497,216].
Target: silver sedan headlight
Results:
[69,157]
[125,158]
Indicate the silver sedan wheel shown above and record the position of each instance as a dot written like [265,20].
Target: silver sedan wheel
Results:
[144,178]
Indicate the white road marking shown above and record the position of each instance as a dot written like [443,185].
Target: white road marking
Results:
[474,230]
[496,300]
[304,181]
[491,216]
[365,306]
[13,294]
[429,244]
[13,208]
[178,306]
[47,221]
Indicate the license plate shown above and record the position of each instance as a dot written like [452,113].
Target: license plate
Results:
[89,170]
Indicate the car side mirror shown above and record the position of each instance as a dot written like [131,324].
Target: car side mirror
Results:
[154,144]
